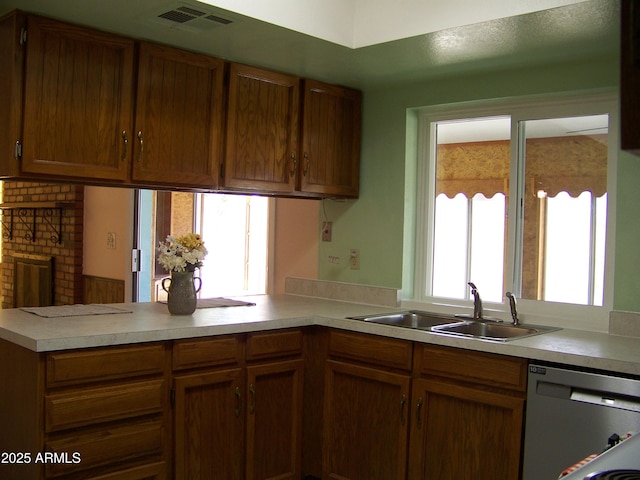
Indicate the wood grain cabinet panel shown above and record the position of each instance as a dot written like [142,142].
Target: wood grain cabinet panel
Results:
[330,163]
[179,117]
[389,353]
[114,446]
[477,367]
[101,364]
[273,344]
[462,432]
[78,101]
[630,77]
[99,405]
[207,352]
[209,425]
[274,420]
[152,471]
[262,130]
[365,423]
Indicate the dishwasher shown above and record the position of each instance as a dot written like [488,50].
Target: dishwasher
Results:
[573,414]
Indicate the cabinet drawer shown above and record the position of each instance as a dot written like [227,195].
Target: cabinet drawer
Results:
[152,471]
[99,364]
[96,405]
[111,446]
[274,344]
[206,352]
[386,352]
[476,367]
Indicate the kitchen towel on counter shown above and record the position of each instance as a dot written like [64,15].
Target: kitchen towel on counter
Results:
[73,310]
[219,302]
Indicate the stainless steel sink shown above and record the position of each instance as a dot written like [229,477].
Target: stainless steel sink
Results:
[451,325]
[411,319]
[491,330]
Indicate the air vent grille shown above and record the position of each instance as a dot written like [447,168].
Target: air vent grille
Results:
[189,16]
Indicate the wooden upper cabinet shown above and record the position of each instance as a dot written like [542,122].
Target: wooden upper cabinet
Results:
[630,77]
[330,163]
[179,117]
[262,130]
[11,87]
[78,101]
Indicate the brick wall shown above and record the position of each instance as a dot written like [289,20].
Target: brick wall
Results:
[67,254]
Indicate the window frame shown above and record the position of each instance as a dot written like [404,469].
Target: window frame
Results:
[531,311]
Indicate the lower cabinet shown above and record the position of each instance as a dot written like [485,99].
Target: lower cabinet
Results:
[468,415]
[239,415]
[398,410]
[365,424]
[208,425]
[365,420]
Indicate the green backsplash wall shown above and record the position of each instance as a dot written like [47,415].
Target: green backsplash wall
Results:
[380,223]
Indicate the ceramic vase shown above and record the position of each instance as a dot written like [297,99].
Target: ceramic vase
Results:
[181,292]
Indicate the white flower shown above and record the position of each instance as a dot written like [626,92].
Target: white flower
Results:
[178,254]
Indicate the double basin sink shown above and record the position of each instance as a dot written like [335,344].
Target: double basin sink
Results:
[484,329]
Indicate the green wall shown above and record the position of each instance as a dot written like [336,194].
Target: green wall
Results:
[380,222]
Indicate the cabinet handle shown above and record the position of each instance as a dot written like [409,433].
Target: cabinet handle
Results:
[402,404]
[418,410]
[125,141]
[252,404]
[306,164]
[141,145]
[238,401]
[294,164]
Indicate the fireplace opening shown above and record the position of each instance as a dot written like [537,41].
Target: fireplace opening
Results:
[32,280]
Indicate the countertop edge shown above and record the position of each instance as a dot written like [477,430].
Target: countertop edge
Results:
[151,323]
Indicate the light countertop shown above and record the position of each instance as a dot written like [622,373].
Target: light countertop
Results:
[149,322]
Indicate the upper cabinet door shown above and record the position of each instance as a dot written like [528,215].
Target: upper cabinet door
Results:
[330,163]
[78,102]
[262,130]
[179,117]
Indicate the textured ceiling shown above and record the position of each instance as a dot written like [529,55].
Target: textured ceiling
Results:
[589,28]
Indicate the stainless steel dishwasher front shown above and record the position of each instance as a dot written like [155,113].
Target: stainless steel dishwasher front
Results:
[572,414]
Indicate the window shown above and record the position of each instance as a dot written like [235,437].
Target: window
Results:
[235,229]
[516,200]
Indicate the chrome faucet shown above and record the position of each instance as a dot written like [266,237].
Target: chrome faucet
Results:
[512,306]
[477,302]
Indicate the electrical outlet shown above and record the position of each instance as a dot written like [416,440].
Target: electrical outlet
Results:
[111,240]
[326,231]
[354,259]
[333,259]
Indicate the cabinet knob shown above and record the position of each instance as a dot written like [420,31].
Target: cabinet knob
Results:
[402,404]
[252,404]
[306,164]
[125,142]
[238,401]
[418,413]
[141,145]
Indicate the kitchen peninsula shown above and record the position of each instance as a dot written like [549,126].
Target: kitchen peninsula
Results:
[127,390]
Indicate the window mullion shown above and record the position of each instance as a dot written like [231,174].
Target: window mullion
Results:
[592,250]
[469,244]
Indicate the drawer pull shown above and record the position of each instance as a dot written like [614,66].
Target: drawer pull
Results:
[418,412]
[125,141]
[238,401]
[252,404]
[402,404]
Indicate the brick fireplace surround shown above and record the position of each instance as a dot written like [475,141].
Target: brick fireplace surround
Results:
[67,263]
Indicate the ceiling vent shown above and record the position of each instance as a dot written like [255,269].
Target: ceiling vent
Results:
[188,17]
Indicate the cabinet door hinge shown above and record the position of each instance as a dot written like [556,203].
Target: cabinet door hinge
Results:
[17,150]
[172,396]
[23,36]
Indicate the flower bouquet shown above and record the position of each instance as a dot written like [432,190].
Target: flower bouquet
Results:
[181,256]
